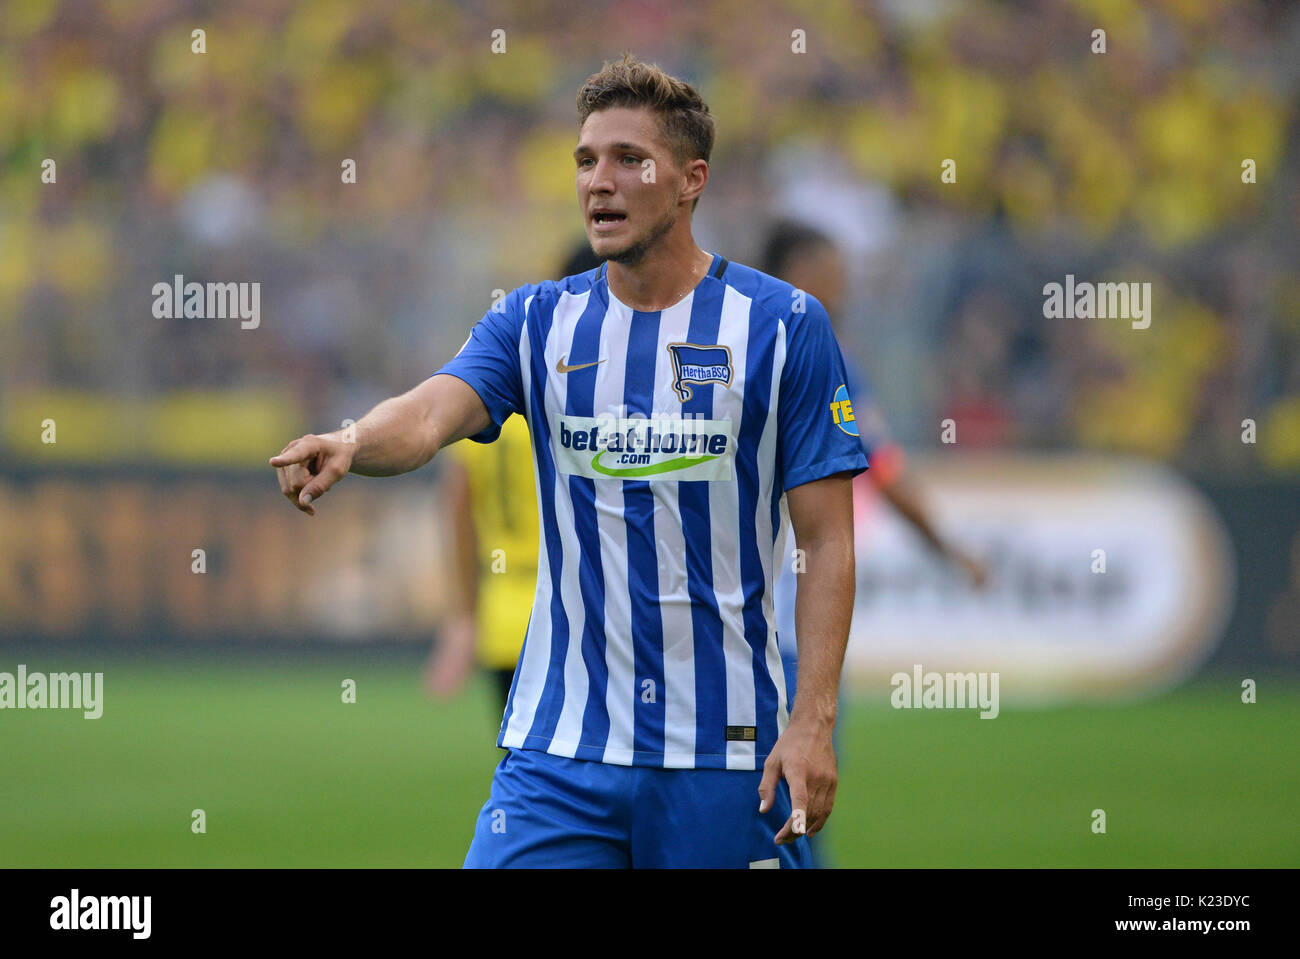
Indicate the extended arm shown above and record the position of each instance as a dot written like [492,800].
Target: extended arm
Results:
[399,435]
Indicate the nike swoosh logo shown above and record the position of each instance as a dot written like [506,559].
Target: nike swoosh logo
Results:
[561,368]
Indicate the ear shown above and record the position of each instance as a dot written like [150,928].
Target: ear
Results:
[695,176]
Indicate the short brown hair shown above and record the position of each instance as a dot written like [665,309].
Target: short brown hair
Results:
[683,115]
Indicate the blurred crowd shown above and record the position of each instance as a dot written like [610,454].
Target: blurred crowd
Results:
[226,165]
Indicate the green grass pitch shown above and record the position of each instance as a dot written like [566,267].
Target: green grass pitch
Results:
[289,775]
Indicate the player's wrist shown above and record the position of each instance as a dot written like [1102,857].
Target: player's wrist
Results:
[344,441]
[817,717]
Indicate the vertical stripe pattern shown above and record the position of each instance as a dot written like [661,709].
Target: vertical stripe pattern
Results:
[652,639]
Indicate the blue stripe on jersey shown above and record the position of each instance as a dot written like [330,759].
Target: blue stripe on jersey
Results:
[585,348]
[693,499]
[642,551]
[759,356]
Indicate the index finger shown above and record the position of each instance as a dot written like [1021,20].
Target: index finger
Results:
[797,824]
[289,455]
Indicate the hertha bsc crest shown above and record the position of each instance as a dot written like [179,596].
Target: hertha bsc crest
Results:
[693,363]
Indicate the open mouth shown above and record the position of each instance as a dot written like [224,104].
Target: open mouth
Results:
[607,217]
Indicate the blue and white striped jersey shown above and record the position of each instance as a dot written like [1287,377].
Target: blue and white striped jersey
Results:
[663,444]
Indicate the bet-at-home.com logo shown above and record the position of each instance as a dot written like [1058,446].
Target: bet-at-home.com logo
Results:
[646,448]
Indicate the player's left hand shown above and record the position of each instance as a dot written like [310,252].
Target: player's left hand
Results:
[804,756]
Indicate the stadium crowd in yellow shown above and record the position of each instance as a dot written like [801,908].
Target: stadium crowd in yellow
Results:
[1124,163]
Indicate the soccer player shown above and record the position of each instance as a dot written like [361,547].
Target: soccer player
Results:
[682,411]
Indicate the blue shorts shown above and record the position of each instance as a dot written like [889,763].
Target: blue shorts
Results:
[550,812]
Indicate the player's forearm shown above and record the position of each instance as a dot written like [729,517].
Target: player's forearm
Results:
[394,437]
[403,433]
[823,609]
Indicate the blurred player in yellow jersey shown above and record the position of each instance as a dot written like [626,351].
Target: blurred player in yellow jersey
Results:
[491,510]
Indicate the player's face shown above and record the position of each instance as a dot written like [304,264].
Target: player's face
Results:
[629,184]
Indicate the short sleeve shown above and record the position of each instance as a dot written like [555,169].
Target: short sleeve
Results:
[817,430]
[489,362]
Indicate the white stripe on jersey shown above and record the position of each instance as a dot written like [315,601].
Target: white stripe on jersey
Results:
[568,731]
[678,694]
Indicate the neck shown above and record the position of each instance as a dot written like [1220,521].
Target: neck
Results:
[662,277]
